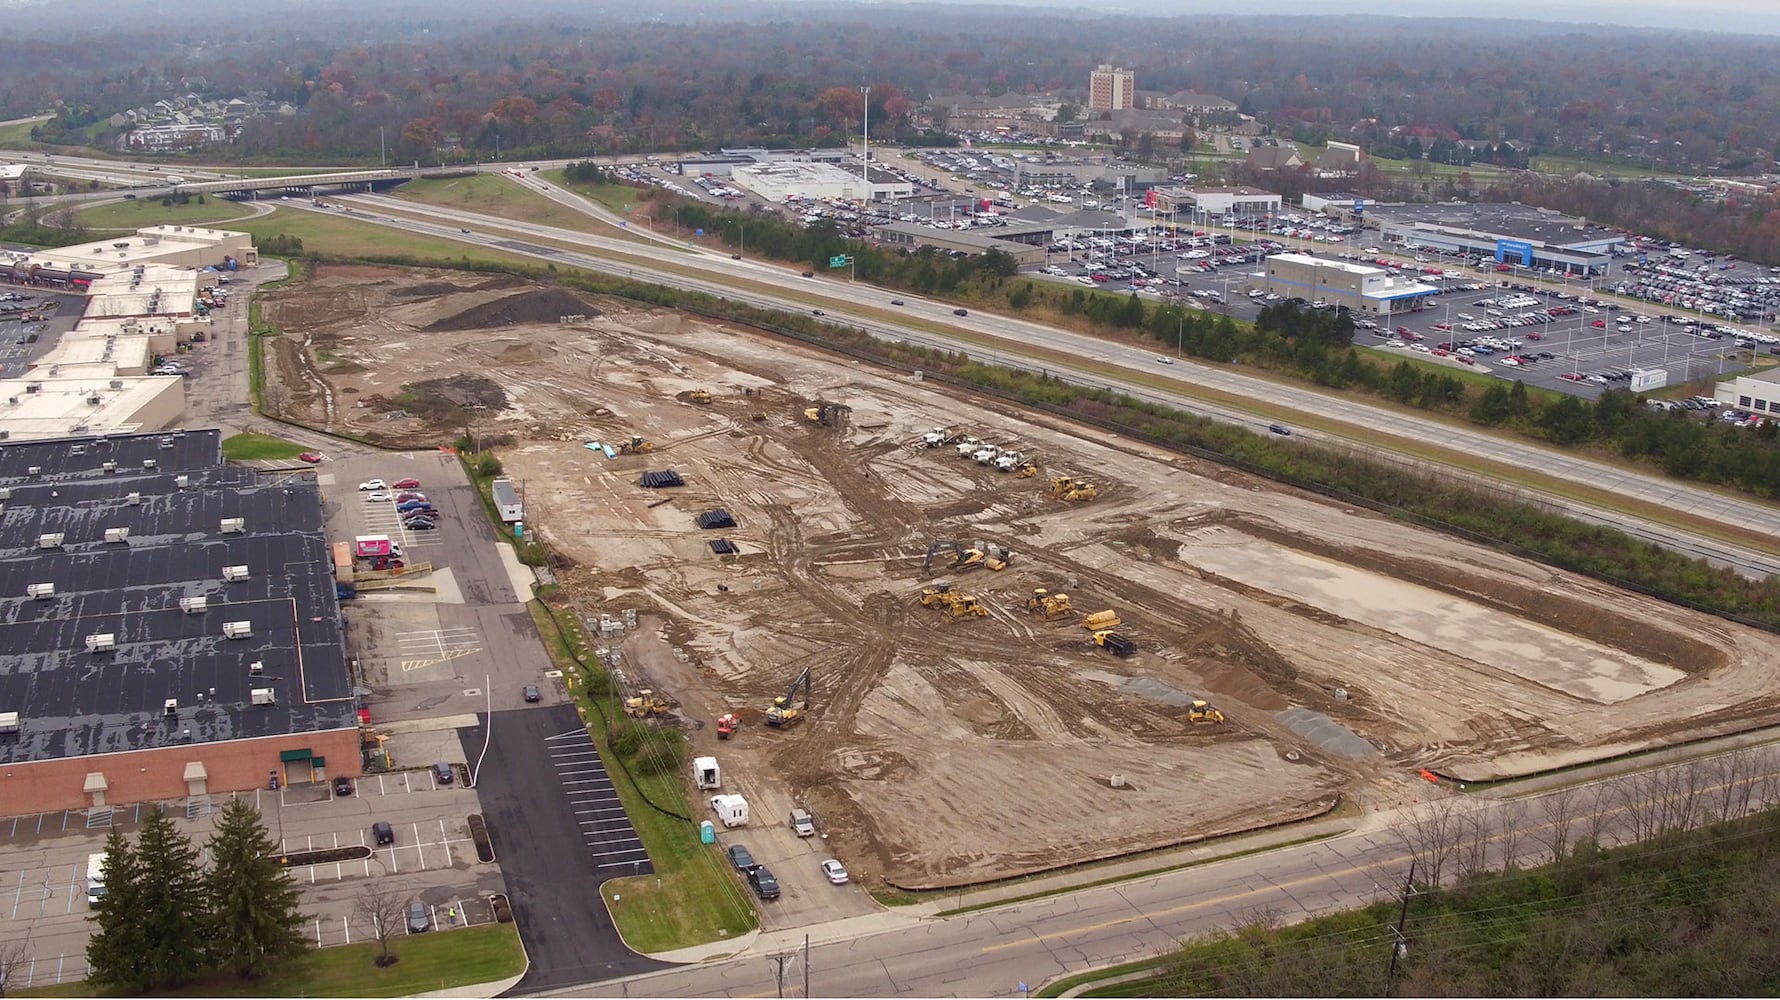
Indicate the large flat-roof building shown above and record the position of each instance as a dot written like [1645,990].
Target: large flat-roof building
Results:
[780,180]
[1758,392]
[1360,288]
[1218,204]
[1522,235]
[168,626]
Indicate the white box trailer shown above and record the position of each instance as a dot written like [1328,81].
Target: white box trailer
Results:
[506,501]
[95,877]
[706,774]
[731,810]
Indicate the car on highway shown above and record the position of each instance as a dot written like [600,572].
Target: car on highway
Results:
[1281,429]
[896,302]
[809,274]
[817,312]
[1163,359]
[961,312]
[835,871]
[373,484]
[740,857]
[407,484]
[463,230]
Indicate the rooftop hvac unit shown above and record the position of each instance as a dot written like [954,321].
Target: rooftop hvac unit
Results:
[40,591]
[171,706]
[256,668]
[116,534]
[53,540]
[148,463]
[108,466]
[34,470]
[194,605]
[5,493]
[264,696]
[181,481]
[101,642]
[95,400]
[117,383]
[234,573]
[237,630]
[9,722]
[34,387]
[133,499]
[234,525]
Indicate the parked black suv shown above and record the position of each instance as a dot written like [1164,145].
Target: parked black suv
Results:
[765,885]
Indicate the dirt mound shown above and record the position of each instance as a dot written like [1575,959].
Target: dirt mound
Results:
[541,306]
[442,398]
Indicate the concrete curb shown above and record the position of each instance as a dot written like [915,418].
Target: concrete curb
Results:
[481,991]
[1129,977]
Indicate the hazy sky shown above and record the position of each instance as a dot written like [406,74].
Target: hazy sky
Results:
[1757,17]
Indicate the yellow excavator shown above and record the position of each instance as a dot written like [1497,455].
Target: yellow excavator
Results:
[1072,489]
[644,705]
[700,396]
[1048,605]
[785,712]
[637,445]
[827,414]
[1199,711]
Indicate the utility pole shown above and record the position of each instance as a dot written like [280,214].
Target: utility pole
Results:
[806,965]
[382,149]
[779,972]
[865,147]
[1399,945]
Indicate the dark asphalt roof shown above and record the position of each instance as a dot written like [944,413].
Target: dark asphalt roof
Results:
[73,701]
[174,451]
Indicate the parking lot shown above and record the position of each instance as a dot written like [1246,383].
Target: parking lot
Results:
[43,893]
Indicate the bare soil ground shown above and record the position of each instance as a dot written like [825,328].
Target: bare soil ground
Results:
[1346,650]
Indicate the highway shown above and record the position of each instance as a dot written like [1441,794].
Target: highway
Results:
[771,285]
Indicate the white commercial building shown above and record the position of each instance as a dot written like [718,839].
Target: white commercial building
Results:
[1360,288]
[41,405]
[785,179]
[1757,393]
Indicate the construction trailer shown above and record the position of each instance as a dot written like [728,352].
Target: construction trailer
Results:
[706,774]
[731,810]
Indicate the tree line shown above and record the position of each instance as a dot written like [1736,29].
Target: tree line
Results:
[164,918]
[1660,884]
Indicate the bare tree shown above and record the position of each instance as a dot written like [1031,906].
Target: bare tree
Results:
[14,956]
[1559,811]
[275,396]
[1600,810]
[1430,833]
[1472,832]
[1510,815]
[381,907]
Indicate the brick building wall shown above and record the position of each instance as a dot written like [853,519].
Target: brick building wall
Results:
[159,775]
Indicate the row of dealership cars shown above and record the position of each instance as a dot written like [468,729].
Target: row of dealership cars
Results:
[417,512]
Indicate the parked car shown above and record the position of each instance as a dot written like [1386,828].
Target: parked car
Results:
[409,495]
[407,484]
[342,786]
[383,833]
[836,872]
[419,921]
[373,484]
[378,497]
[311,457]
[532,693]
[765,885]
[421,524]
[407,506]
[739,856]
[442,771]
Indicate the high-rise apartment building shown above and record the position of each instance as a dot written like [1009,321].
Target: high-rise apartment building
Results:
[1110,89]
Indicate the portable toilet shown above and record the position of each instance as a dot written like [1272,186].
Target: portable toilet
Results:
[731,810]
[707,832]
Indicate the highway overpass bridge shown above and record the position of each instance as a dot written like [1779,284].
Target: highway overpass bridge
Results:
[311,184]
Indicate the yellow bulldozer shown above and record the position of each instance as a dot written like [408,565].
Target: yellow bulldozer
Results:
[1051,607]
[1100,621]
[637,445]
[827,414]
[699,396]
[956,605]
[965,605]
[939,595]
[645,704]
[1072,489]
[1199,711]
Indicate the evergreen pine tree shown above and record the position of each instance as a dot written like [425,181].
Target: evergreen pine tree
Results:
[254,920]
[169,904]
[116,953]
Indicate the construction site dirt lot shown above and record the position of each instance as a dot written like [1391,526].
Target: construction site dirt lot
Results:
[1346,650]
